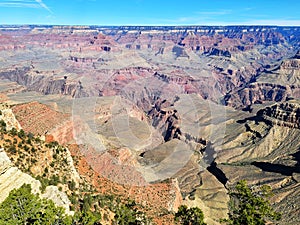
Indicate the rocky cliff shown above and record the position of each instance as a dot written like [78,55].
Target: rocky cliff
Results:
[283,114]
[8,117]
[11,177]
[278,82]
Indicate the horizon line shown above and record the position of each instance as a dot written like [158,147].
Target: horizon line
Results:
[155,25]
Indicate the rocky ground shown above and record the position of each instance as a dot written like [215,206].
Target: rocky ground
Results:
[162,115]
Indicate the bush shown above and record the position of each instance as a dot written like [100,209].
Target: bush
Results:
[21,134]
[13,131]
[54,180]
[2,125]
[126,215]
[12,149]
[72,185]
[86,218]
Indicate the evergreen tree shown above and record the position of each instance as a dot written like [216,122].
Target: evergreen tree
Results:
[86,218]
[249,208]
[189,216]
[23,207]
[127,214]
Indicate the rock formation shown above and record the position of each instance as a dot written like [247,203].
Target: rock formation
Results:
[283,114]
[12,178]
[161,115]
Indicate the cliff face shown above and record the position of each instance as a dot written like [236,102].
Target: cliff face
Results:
[44,83]
[11,177]
[257,93]
[9,118]
[284,114]
[166,120]
[37,118]
[200,38]
[274,83]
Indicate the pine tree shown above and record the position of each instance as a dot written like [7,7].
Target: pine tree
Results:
[189,216]
[23,207]
[249,208]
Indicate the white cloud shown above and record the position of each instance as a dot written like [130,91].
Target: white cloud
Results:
[19,4]
[43,5]
[25,4]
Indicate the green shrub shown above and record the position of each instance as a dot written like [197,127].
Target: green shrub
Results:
[21,134]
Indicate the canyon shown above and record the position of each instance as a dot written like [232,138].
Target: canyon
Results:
[162,115]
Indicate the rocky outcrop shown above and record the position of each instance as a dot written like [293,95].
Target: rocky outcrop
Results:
[166,119]
[58,197]
[211,196]
[278,83]
[291,67]
[13,178]
[284,114]
[44,83]
[82,60]
[9,118]
[17,75]
[257,93]
[62,132]
[217,52]
[7,42]
[293,63]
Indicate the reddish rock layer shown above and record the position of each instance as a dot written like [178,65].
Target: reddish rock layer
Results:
[37,118]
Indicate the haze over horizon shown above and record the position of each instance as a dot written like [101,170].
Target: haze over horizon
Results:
[154,12]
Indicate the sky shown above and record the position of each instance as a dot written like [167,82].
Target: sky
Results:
[151,12]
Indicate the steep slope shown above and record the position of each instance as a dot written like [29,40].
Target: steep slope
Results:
[278,82]
[264,149]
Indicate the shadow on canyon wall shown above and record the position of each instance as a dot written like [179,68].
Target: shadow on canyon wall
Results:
[279,168]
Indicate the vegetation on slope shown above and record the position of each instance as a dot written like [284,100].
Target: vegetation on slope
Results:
[189,216]
[23,207]
[48,163]
[249,207]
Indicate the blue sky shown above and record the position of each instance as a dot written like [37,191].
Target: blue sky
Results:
[151,12]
